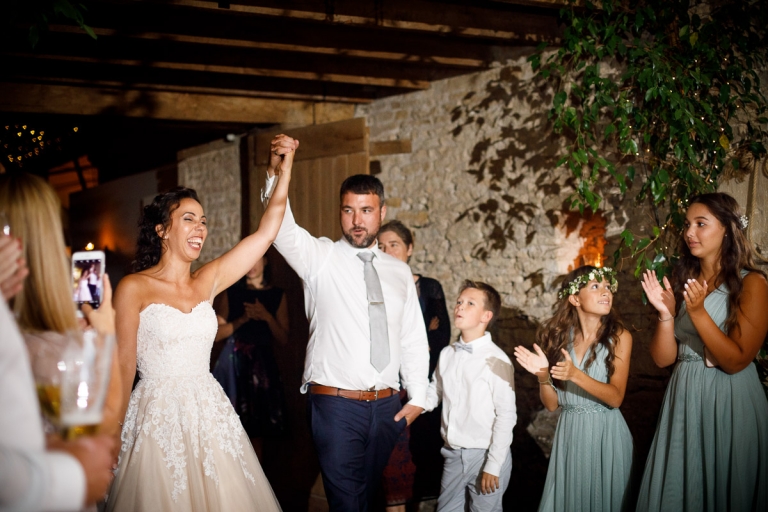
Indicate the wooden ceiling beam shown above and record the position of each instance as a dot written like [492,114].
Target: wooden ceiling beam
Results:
[142,17]
[241,71]
[62,99]
[534,21]
[23,68]
[301,49]
[239,60]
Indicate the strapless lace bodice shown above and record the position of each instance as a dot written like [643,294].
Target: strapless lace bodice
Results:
[173,344]
[178,415]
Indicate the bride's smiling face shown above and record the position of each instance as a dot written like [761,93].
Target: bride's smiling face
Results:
[187,231]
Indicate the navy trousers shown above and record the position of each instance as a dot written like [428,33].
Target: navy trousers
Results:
[354,441]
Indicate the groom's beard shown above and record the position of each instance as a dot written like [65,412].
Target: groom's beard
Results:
[362,240]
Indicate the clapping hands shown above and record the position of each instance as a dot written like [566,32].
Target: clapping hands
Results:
[564,370]
[535,362]
[694,295]
[660,297]
[538,364]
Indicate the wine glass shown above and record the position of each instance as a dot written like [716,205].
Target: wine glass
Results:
[72,377]
[45,351]
[85,381]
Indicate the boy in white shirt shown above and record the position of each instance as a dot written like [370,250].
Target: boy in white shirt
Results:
[474,379]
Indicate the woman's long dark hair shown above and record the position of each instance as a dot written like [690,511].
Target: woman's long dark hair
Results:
[149,246]
[736,253]
[556,333]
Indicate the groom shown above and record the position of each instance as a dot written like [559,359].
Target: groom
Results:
[366,329]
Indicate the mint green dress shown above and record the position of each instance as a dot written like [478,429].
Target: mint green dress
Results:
[591,463]
[710,451]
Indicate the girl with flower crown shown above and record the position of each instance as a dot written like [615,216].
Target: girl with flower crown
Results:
[710,452]
[591,462]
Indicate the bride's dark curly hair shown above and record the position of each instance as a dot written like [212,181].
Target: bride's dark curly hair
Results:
[557,332]
[149,246]
[736,254]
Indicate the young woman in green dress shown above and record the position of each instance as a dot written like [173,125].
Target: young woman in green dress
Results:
[591,462]
[710,451]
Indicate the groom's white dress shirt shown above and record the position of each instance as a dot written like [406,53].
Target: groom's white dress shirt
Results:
[336,305]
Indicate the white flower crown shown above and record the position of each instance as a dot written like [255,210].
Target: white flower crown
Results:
[597,274]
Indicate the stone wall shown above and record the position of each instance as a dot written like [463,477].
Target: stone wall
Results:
[479,189]
[214,171]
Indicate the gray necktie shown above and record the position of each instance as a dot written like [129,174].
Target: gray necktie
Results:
[462,346]
[377,314]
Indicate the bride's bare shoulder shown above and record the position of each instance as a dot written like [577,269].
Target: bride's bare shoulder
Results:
[132,289]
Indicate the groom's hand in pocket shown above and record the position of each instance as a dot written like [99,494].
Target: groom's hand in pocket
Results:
[409,412]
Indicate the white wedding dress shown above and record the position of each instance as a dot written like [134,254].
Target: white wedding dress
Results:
[183,447]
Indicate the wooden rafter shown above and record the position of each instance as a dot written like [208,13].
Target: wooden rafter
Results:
[303,51]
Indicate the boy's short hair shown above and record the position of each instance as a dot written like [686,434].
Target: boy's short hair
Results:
[362,184]
[492,297]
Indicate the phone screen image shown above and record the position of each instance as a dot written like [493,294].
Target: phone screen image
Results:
[87,280]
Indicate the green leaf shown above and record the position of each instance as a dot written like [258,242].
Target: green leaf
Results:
[639,268]
[642,244]
[627,237]
[724,142]
[89,31]
[34,35]
[559,99]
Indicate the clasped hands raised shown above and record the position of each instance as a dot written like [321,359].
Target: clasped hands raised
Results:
[281,152]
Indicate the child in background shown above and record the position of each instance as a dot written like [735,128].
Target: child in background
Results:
[474,379]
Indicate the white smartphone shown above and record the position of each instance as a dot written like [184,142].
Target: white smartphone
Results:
[88,277]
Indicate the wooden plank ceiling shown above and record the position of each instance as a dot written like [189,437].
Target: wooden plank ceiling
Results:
[164,75]
[259,62]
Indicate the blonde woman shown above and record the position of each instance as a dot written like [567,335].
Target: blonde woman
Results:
[44,307]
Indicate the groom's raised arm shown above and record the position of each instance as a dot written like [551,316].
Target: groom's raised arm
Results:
[304,253]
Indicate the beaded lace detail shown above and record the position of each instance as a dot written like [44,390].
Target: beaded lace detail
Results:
[177,400]
[689,357]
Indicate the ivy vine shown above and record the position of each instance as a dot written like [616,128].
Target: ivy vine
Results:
[37,14]
[661,92]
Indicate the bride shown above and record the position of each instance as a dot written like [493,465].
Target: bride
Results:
[183,448]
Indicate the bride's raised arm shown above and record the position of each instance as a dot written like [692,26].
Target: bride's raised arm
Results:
[235,263]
